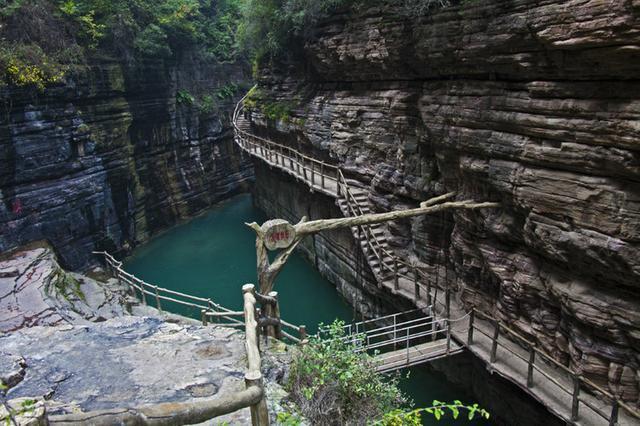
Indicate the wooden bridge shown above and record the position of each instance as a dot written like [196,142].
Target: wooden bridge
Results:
[566,393]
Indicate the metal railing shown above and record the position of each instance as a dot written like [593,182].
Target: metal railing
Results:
[404,339]
[536,359]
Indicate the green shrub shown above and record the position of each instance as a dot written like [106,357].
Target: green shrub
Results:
[183,97]
[331,384]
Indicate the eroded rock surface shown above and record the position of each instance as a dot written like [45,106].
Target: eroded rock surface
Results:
[35,290]
[533,104]
[126,362]
[111,157]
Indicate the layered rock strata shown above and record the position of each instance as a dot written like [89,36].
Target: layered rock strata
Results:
[115,155]
[533,104]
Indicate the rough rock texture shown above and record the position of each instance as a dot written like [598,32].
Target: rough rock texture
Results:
[35,290]
[335,254]
[127,362]
[534,104]
[111,157]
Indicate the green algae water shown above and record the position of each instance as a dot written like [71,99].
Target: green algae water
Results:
[213,255]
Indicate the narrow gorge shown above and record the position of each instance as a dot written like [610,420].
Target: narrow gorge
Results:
[532,106]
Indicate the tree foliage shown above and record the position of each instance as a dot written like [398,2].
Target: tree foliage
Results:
[62,33]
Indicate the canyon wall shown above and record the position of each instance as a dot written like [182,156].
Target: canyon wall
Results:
[534,104]
[112,156]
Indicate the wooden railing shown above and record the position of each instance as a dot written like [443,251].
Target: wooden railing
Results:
[210,312]
[191,412]
[538,361]
[330,179]
[395,265]
[315,173]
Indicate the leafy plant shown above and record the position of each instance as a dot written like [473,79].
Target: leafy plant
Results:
[183,97]
[438,410]
[332,384]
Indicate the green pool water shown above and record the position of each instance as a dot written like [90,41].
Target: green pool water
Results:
[214,255]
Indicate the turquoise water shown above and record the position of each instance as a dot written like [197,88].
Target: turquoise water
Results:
[214,255]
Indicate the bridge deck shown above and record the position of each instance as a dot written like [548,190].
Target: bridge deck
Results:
[416,354]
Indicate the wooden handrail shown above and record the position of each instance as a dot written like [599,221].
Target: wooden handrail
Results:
[549,359]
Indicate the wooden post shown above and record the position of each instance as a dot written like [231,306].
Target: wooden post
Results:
[494,346]
[613,420]
[304,171]
[303,334]
[472,317]
[313,174]
[447,301]
[576,398]
[322,174]
[275,311]
[298,162]
[157,298]
[428,292]
[448,336]
[259,411]
[416,287]
[532,360]
[395,274]
[142,293]
[203,316]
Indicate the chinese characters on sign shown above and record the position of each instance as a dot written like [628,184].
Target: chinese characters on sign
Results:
[278,234]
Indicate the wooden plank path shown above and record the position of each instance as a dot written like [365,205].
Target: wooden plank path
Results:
[415,355]
[564,392]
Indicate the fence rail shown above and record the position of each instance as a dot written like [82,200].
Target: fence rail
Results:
[210,312]
[538,362]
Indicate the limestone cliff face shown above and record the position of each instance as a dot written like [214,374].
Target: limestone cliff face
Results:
[534,104]
[111,157]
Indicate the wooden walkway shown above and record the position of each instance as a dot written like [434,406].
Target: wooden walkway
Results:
[566,394]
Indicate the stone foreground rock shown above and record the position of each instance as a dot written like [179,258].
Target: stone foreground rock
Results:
[69,344]
[35,290]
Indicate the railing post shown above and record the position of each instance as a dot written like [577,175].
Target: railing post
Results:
[613,420]
[304,171]
[322,174]
[575,405]
[494,346]
[259,411]
[275,312]
[157,298]
[532,360]
[203,316]
[407,345]
[448,336]
[447,301]
[428,292]
[416,287]
[298,162]
[395,274]
[395,333]
[303,334]
[313,173]
[472,318]
[142,293]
